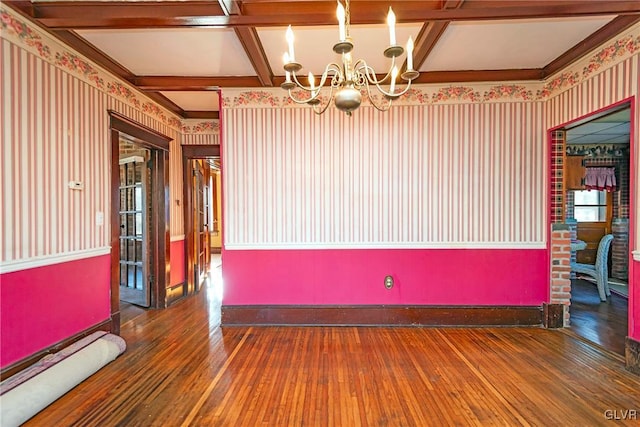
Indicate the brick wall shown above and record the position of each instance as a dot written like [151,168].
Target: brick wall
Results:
[560,268]
[620,249]
[557,185]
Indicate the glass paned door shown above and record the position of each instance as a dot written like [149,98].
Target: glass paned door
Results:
[134,234]
[201,222]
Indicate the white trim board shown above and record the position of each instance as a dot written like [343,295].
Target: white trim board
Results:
[26,264]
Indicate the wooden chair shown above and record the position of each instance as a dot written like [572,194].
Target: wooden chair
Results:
[599,270]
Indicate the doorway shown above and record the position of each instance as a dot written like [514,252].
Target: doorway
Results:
[201,189]
[139,216]
[597,194]
[135,232]
[201,167]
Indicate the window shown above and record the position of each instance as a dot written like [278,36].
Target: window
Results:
[590,206]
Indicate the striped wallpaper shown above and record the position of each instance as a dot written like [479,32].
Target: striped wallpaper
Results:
[455,175]
[55,129]
[201,139]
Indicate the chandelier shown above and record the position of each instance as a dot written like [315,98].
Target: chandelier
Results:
[350,77]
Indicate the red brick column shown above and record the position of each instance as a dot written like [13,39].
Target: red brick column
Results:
[560,268]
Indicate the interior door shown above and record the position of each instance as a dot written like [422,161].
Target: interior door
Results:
[134,231]
[201,221]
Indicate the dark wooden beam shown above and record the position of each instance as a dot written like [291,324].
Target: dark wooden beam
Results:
[478,76]
[201,115]
[229,7]
[429,35]
[255,52]
[92,15]
[251,44]
[23,6]
[189,83]
[613,28]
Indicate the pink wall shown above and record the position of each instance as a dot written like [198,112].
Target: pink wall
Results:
[176,255]
[355,276]
[43,306]
[634,300]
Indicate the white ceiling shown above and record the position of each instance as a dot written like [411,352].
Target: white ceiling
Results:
[494,45]
[194,101]
[174,52]
[611,128]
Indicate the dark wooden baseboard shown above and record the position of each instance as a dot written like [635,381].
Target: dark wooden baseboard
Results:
[215,250]
[553,315]
[28,361]
[632,355]
[382,315]
[176,293]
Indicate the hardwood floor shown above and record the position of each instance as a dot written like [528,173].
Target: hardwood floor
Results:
[604,323]
[181,368]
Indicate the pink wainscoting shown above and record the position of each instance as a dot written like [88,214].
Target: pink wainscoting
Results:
[356,276]
[45,305]
[634,300]
[176,254]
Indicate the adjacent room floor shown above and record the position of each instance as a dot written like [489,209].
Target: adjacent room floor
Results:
[604,323]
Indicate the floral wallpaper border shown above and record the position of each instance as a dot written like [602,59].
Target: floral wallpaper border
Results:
[31,38]
[202,127]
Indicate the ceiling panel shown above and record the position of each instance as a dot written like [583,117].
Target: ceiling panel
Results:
[499,45]
[179,52]
[614,128]
[194,101]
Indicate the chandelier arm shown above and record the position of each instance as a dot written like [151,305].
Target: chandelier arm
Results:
[319,109]
[303,87]
[331,67]
[381,107]
[369,72]
[395,94]
[298,101]
[402,92]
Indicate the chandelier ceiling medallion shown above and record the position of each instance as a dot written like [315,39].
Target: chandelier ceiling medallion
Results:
[349,78]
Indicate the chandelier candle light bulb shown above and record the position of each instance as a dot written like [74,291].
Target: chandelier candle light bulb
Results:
[285,59]
[394,75]
[410,54]
[391,21]
[289,36]
[312,82]
[341,26]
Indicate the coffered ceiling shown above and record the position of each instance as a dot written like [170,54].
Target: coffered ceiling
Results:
[182,52]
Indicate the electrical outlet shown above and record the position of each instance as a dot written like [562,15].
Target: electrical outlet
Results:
[388,282]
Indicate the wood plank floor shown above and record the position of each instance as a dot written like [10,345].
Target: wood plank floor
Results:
[604,323]
[182,369]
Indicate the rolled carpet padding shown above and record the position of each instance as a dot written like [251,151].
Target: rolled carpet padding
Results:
[27,393]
